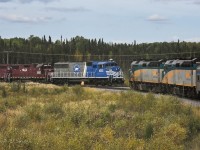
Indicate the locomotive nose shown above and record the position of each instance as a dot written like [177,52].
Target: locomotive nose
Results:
[117,69]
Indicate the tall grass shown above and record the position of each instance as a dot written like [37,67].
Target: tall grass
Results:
[80,118]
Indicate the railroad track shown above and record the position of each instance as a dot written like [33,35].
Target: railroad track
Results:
[110,88]
[192,102]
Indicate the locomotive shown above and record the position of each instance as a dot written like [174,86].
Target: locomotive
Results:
[178,77]
[33,72]
[93,72]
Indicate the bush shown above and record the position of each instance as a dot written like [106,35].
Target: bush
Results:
[16,139]
[149,131]
[22,121]
[35,112]
[78,92]
[4,93]
[77,118]
[15,86]
[54,109]
[3,121]
[2,108]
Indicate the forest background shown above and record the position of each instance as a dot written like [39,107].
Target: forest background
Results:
[44,50]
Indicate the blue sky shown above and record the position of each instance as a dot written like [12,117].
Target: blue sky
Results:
[113,20]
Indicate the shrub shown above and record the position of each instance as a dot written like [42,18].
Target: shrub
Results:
[149,131]
[78,92]
[22,121]
[2,107]
[4,93]
[3,121]
[16,139]
[193,125]
[112,107]
[77,118]
[35,112]
[54,109]
[15,86]
[169,137]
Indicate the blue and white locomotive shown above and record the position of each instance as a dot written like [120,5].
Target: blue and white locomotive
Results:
[93,72]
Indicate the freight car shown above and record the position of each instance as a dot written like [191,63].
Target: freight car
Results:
[179,77]
[93,72]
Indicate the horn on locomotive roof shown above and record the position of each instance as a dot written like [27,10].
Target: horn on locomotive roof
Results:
[194,59]
[110,59]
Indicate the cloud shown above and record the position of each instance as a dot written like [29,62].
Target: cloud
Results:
[197,2]
[156,18]
[4,1]
[189,1]
[78,9]
[24,19]
[26,1]
[195,39]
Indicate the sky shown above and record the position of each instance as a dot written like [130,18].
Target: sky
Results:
[120,21]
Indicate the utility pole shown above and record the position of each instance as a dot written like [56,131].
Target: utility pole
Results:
[8,54]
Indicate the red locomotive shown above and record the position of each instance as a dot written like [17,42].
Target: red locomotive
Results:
[39,72]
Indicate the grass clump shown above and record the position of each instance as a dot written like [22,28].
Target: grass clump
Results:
[54,109]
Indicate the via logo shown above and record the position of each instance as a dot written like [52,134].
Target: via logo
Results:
[77,68]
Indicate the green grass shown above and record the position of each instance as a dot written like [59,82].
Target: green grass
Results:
[49,117]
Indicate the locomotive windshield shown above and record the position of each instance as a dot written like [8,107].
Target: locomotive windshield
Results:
[111,64]
[100,66]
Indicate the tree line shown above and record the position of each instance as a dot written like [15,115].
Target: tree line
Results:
[43,50]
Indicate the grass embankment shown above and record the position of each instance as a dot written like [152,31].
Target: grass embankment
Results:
[50,117]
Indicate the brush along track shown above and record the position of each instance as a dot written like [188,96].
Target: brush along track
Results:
[192,102]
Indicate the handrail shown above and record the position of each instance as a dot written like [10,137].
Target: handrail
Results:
[81,74]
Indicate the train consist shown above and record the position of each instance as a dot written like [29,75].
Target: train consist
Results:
[179,77]
[93,72]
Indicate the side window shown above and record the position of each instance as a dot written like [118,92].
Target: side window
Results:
[94,66]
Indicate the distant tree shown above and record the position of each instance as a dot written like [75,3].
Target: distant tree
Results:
[49,39]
